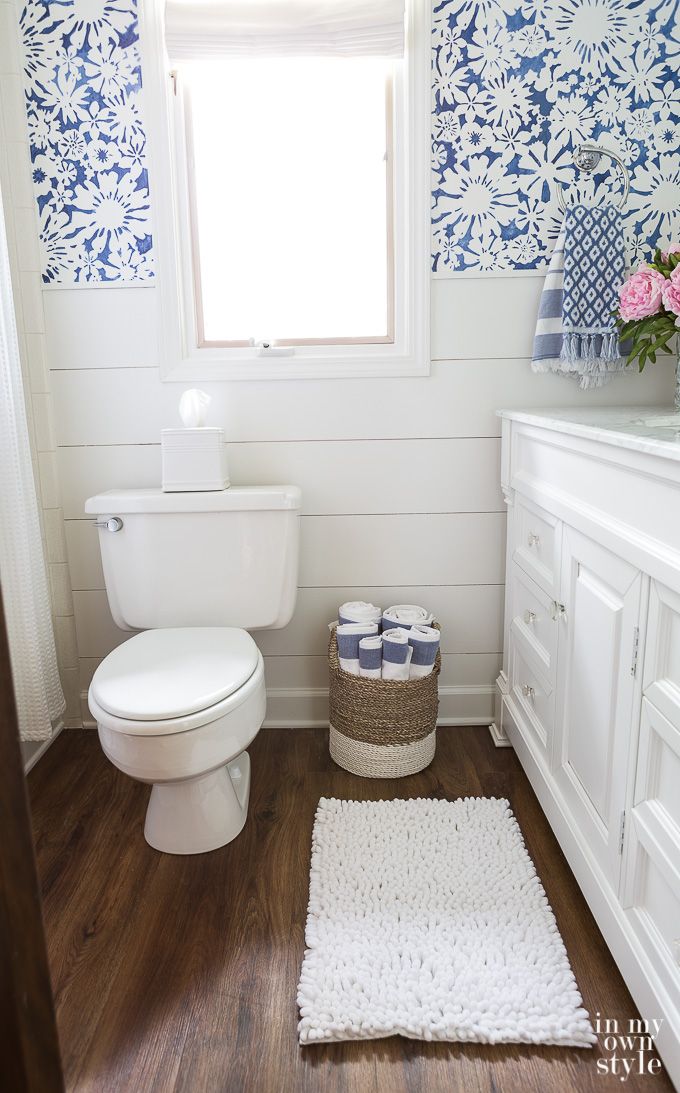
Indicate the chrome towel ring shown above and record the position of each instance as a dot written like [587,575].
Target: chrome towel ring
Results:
[586,157]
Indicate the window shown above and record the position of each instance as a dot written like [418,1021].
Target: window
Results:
[291,220]
[294,209]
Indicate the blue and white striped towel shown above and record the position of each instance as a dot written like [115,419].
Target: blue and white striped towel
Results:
[575,331]
[397,654]
[370,657]
[348,636]
[424,641]
[549,335]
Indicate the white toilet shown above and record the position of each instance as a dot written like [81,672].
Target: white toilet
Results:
[178,704]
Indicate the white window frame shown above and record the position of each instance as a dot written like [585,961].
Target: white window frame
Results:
[180,356]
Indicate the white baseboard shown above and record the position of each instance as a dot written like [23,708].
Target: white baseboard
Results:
[303,707]
[42,748]
[307,707]
[498,736]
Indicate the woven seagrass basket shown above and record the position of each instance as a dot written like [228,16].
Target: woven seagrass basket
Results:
[381,728]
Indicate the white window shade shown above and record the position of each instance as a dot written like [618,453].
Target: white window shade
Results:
[284,28]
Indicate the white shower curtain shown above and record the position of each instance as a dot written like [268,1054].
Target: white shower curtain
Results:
[25,590]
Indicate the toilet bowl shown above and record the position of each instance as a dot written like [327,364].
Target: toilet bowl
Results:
[177,708]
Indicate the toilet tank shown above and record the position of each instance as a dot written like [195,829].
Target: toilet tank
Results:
[223,558]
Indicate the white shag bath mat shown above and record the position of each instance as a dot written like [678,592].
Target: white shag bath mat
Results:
[426,919]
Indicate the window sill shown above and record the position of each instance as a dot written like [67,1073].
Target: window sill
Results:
[211,365]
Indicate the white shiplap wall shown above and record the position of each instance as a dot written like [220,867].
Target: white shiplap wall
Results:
[400,477]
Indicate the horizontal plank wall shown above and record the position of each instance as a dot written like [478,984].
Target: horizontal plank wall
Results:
[400,477]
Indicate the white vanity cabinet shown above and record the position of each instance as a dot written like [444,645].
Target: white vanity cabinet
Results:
[589,693]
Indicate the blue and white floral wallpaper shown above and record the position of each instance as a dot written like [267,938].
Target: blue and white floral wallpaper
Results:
[517,84]
[82,84]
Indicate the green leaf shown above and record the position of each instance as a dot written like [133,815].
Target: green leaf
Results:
[640,339]
[635,352]
[661,343]
[654,325]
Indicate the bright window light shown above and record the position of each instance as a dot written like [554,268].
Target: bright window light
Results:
[290,187]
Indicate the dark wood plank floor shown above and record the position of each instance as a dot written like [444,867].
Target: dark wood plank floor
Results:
[179,974]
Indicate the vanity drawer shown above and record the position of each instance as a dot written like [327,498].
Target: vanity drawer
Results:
[533,617]
[536,545]
[532,692]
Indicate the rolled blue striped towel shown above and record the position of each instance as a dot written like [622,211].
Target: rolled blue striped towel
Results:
[576,333]
[405,615]
[359,611]
[370,657]
[425,642]
[348,636]
[397,654]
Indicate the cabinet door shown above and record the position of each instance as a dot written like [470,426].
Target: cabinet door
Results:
[651,892]
[662,652]
[601,594]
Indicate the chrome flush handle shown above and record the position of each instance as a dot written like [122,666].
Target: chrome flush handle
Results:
[112,523]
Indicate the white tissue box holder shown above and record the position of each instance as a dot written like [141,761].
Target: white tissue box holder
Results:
[194,460]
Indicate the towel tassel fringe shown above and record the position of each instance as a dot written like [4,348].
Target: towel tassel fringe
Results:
[582,349]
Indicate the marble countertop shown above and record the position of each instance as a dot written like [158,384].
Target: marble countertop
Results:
[652,429]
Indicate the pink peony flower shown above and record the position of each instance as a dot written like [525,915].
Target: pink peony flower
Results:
[641,295]
[673,248]
[671,292]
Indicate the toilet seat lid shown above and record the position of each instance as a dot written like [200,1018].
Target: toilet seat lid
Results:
[163,674]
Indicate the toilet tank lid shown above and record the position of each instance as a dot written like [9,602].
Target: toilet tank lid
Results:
[236,499]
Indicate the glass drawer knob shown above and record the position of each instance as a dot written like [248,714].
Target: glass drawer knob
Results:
[529,617]
[528,691]
[534,540]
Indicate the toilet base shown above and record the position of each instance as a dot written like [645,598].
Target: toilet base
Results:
[199,814]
